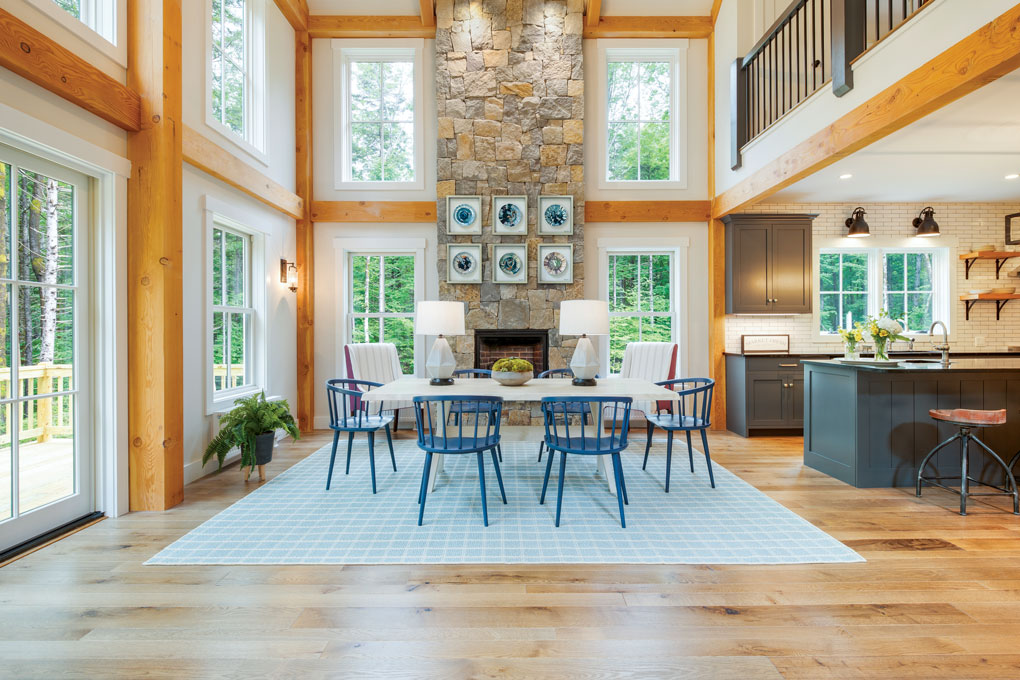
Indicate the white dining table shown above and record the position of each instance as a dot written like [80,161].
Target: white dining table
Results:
[406,389]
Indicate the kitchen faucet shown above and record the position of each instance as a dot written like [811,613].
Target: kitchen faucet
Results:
[944,347]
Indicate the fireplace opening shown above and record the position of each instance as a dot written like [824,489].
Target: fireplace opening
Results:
[494,344]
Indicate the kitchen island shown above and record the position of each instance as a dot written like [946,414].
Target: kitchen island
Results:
[869,425]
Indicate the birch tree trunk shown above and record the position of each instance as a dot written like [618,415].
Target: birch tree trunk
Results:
[50,255]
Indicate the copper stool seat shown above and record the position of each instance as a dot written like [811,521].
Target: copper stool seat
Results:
[966,420]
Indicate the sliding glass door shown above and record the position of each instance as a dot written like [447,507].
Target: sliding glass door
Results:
[46,474]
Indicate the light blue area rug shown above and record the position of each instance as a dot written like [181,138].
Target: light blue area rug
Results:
[294,520]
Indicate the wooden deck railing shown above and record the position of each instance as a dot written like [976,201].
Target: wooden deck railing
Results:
[41,418]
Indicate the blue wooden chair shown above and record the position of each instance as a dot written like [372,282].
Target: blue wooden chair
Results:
[559,438]
[474,438]
[583,409]
[349,413]
[457,407]
[692,412]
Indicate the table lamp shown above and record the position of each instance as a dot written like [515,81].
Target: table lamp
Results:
[584,318]
[434,317]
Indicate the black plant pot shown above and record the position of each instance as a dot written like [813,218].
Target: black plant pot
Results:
[264,447]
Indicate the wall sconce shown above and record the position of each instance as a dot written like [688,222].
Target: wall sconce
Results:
[288,274]
[858,227]
[925,223]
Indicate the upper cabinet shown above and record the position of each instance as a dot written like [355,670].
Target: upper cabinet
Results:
[768,264]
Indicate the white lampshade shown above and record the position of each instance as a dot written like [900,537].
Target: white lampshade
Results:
[435,317]
[584,317]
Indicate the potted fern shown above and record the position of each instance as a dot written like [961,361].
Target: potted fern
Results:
[251,426]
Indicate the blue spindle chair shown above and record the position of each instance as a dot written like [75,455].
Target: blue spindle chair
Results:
[583,409]
[458,439]
[455,409]
[692,411]
[563,438]
[349,413]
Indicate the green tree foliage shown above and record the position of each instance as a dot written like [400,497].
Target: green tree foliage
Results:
[229,63]
[231,329]
[72,7]
[382,303]
[382,121]
[640,302]
[639,113]
[908,289]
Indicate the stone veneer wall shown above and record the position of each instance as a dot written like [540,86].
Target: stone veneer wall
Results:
[510,101]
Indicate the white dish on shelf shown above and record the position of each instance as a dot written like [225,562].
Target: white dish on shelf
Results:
[982,291]
[984,248]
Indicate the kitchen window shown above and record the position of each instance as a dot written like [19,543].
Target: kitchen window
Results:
[379,123]
[911,284]
[237,73]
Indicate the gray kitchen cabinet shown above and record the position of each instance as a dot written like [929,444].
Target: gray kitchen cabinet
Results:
[764,393]
[768,263]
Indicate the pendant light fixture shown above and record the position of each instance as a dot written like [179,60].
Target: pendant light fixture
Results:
[858,226]
[925,223]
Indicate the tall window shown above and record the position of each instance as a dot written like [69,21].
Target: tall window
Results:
[642,304]
[911,284]
[644,119]
[237,70]
[99,15]
[381,303]
[232,312]
[380,127]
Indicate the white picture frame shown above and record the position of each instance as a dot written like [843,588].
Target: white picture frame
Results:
[547,271]
[505,209]
[547,222]
[509,250]
[456,225]
[455,269]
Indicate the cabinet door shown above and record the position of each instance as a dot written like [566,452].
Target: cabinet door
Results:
[749,269]
[791,268]
[765,397]
[795,401]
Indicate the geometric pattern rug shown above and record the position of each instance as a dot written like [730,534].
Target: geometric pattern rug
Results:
[292,519]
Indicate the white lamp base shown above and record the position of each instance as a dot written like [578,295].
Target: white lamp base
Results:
[585,362]
[440,363]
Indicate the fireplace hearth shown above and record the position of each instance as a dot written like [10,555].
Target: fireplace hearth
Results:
[494,344]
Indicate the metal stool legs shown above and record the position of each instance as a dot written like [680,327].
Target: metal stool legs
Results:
[965,437]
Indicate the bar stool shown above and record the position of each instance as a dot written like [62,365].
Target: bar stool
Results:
[966,420]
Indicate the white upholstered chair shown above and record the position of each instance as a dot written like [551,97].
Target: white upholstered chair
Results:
[378,362]
[654,361]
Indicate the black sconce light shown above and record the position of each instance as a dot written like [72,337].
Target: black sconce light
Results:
[858,227]
[925,223]
[288,274]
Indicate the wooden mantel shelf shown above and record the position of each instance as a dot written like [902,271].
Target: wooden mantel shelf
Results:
[1000,300]
[1000,257]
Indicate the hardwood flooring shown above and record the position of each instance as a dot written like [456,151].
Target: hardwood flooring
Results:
[938,598]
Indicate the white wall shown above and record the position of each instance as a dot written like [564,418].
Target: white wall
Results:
[940,25]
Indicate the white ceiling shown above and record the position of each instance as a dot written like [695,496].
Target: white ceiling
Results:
[960,153]
[609,7]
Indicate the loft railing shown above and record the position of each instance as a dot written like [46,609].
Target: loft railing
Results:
[809,44]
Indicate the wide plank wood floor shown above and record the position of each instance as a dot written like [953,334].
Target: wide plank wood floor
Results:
[938,598]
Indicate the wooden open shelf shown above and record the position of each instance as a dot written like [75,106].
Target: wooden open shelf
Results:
[1000,300]
[1000,257]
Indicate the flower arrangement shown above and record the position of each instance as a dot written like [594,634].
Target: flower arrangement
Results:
[881,330]
[851,337]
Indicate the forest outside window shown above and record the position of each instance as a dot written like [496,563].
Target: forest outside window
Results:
[381,303]
[233,313]
[236,106]
[99,15]
[642,301]
[379,116]
[644,117]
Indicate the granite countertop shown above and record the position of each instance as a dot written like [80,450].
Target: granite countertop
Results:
[991,362]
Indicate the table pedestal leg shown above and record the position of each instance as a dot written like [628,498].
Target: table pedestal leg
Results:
[437,458]
[598,420]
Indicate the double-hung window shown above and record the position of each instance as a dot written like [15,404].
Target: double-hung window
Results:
[379,140]
[237,67]
[642,300]
[644,115]
[381,302]
[232,311]
[910,284]
[89,20]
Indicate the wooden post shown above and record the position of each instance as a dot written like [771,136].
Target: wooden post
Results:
[304,234]
[44,416]
[155,339]
[738,112]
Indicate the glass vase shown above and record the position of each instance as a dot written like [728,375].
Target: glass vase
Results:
[851,353]
[881,350]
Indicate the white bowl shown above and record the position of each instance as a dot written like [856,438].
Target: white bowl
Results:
[512,378]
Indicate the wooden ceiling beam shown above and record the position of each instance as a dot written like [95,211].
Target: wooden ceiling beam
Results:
[647,211]
[593,13]
[985,55]
[295,12]
[211,158]
[714,13]
[33,56]
[374,211]
[320,26]
[428,13]
[650,27]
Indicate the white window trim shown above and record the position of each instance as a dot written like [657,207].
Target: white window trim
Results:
[109,18]
[945,254]
[254,142]
[345,247]
[222,214]
[678,247]
[674,50]
[346,50]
